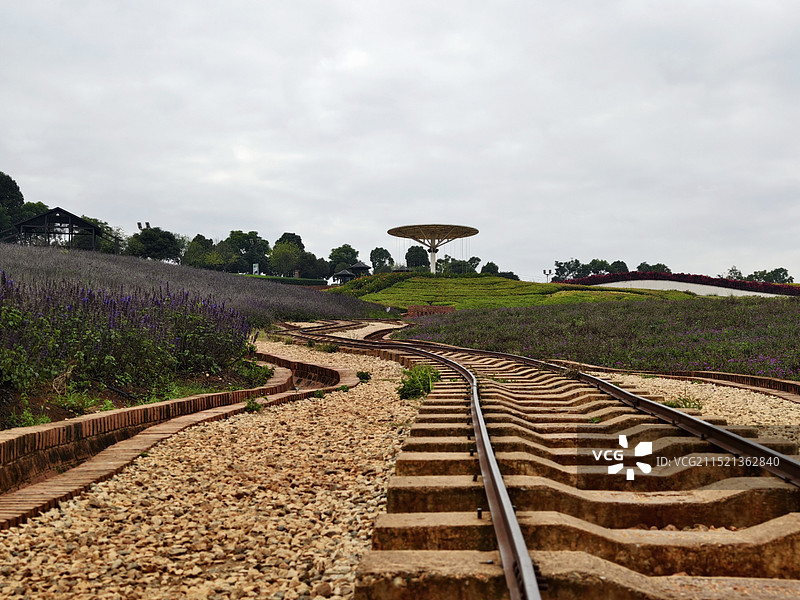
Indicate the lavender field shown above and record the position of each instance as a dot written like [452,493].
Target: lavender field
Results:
[755,336]
[262,302]
[77,321]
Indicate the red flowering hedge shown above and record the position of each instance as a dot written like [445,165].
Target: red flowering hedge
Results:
[735,284]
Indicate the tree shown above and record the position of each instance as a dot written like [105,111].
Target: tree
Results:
[312,267]
[618,266]
[567,269]
[598,266]
[779,275]
[490,267]
[508,275]
[732,273]
[380,258]
[197,252]
[344,254]
[154,243]
[450,265]
[222,257]
[416,257]
[340,266]
[11,201]
[84,242]
[284,259]
[656,268]
[291,238]
[250,248]
[575,269]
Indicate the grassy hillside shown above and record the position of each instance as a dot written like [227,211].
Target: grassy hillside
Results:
[485,292]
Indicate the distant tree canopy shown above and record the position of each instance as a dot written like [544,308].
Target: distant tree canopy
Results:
[291,238]
[732,273]
[779,275]
[381,260]
[11,198]
[101,244]
[417,257]
[575,269]
[155,243]
[448,264]
[13,207]
[240,251]
[656,268]
[344,254]
[250,249]
[285,259]
[235,254]
[197,251]
[490,267]
[312,267]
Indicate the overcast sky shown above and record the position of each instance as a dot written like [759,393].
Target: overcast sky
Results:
[639,130]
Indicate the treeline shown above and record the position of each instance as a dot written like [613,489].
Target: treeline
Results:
[240,252]
[575,269]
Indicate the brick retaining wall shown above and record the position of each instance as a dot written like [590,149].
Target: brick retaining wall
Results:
[29,454]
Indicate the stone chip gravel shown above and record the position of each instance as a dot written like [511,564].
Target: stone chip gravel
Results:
[277,504]
[772,415]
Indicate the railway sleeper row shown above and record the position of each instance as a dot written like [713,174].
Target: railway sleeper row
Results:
[683,530]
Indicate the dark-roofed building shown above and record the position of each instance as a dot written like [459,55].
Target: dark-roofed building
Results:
[343,276]
[60,226]
[359,269]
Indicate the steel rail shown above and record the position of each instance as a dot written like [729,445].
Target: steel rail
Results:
[780,465]
[516,561]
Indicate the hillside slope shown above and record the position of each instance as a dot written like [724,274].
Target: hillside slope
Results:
[491,292]
[261,301]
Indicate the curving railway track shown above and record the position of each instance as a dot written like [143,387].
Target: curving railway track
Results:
[522,479]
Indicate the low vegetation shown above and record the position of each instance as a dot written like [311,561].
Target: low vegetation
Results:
[80,329]
[417,381]
[262,302]
[755,336]
[482,291]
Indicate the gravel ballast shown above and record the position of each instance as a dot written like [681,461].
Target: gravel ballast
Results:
[772,415]
[276,504]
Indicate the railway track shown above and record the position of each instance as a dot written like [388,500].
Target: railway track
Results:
[612,494]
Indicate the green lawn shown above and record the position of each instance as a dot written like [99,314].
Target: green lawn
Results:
[496,292]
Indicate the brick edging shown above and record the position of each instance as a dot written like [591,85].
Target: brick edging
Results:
[28,454]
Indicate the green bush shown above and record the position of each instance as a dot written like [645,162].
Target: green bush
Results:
[252,406]
[418,381]
[363,376]
[26,418]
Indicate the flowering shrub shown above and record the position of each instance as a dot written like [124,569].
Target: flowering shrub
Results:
[74,334]
[753,336]
[734,284]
